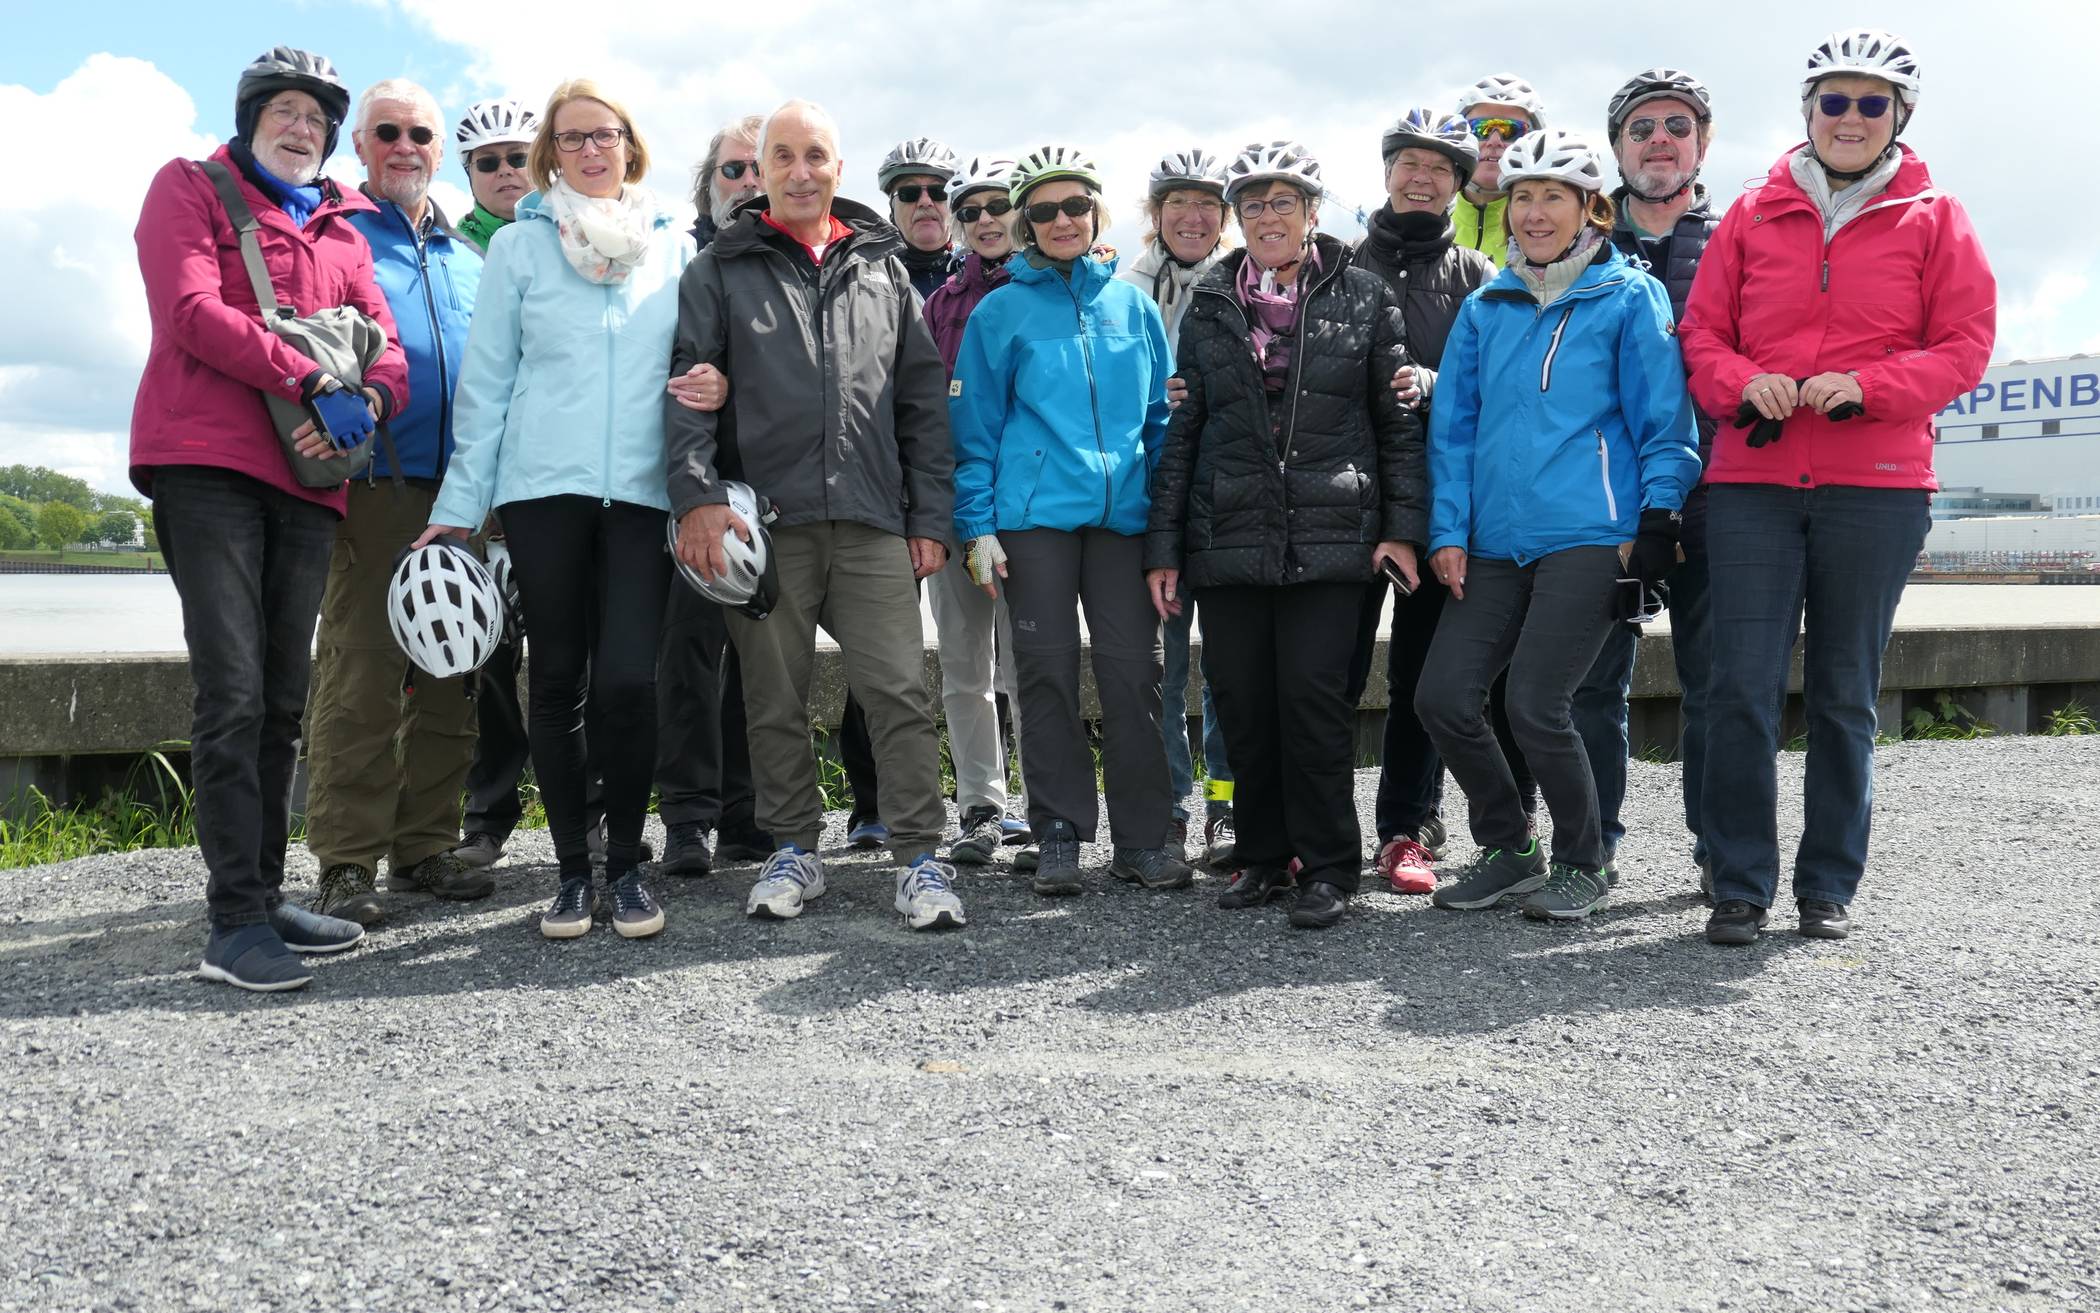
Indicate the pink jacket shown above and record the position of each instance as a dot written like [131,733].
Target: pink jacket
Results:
[1902,297]
[948,309]
[200,399]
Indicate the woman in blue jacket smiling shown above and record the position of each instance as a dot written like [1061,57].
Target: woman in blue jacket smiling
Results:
[1059,407]
[558,425]
[1560,450]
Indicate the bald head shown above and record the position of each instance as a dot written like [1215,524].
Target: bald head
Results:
[802,119]
[798,156]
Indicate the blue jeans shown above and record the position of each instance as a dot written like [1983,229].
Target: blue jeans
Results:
[1174,720]
[1838,557]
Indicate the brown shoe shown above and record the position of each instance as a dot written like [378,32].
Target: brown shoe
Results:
[346,891]
[444,875]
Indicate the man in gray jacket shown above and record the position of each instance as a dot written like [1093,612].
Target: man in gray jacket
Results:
[837,415]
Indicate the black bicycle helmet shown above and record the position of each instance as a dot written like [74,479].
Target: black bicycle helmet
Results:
[283,68]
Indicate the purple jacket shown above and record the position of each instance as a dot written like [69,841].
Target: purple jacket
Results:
[948,309]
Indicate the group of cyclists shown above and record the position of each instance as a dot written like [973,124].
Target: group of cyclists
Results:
[1556,388]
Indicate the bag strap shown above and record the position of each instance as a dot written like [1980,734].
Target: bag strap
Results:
[245,227]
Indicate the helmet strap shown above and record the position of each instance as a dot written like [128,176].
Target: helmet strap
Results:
[1666,197]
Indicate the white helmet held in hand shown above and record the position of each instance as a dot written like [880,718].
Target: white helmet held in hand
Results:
[492,123]
[1504,89]
[1559,155]
[444,609]
[750,578]
[500,570]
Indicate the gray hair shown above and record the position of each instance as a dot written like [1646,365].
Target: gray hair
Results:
[398,89]
[746,128]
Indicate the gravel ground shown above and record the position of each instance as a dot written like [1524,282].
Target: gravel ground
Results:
[1127,1100]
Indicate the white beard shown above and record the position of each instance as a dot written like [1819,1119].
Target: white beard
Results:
[290,167]
[1660,181]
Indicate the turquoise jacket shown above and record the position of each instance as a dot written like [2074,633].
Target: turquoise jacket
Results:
[1059,403]
[562,390]
[1555,427]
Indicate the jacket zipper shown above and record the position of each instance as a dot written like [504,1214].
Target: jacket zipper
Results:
[437,337]
[1611,503]
[1086,351]
[1553,348]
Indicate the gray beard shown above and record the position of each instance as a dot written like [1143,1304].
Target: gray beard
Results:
[1660,182]
[723,210]
[404,193]
[299,177]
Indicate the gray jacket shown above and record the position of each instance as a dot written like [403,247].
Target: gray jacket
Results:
[838,401]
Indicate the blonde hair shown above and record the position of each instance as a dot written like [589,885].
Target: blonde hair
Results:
[543,163]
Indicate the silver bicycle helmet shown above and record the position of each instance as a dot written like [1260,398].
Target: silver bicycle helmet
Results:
[919,155]
[1423,128]
[1504,89]
[1656,82]
[1868,52]
[494,123]
[1273,161]
[982,173]
[1194,168]
[1559,155]
[750,580]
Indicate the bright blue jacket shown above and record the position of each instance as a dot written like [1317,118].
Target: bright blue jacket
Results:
[1059,403]
[430,286]
[1554,428]
[563,386]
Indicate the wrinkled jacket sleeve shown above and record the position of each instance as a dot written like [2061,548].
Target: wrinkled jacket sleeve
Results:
[1653,400]
[1157,411]
[1711,333]
[977,416]
[1403,473]
[1166,532]
[1961,326]
[920,388]
[388,375]
[481,401]
[1454,431]
[690,436]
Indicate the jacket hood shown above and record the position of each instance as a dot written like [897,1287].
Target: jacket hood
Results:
[872,234]
[1089,274]
[1606,262]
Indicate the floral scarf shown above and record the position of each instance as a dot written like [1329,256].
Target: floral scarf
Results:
[604,238]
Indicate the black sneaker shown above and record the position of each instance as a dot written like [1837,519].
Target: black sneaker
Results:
[346,891]
[309,932]
[742,844]
[252,957]
[1154,868]
[1821,920]
[1495,875]
[596,840]
[635,912]
[1220,841]
[979,838]
[1433,835]
[685,849]
[1255,886]
[569,915]
[443,875]
[1735,921]
[1057,868]
[1319,906]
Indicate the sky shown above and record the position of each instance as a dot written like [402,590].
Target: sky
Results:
[131,85]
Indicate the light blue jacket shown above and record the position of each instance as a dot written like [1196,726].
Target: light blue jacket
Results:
[1554,428]
[1059,403]
[562,390]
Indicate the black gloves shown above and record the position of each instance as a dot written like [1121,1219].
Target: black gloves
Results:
[1764,430]
[1654,552]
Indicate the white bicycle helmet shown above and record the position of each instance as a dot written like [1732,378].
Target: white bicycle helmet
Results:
[492,123]
[506,578]
[1273,161]
[919,155]
[1195,168]
[444,609]
[1868,52]
[1656,82]
[1560,155]
[982,173]
[751,580]
[1504,89]
[1422,128]
[1047,164]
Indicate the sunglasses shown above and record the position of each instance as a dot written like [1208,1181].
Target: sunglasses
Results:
[1511,129]
[909,193]
[1680,126]
[517,159]
[391,133]
[995,208]
[1073,206]
[734,169]
[1870,107]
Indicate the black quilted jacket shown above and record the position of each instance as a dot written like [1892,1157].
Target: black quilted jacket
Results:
[1235,502]
[1431,277]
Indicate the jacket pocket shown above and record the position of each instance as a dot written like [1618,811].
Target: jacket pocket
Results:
[1013,486]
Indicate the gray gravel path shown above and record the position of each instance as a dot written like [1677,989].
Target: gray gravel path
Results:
[1128,1100]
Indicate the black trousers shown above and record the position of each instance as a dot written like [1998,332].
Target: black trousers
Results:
[250,563]
[703,754]
[1281,686]
[583,566]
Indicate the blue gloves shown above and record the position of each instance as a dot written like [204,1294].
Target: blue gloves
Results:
[344,416]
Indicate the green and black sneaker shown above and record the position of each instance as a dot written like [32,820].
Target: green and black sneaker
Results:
[1570,894]
[1494,875]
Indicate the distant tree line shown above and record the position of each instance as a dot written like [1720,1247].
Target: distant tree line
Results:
[42,506]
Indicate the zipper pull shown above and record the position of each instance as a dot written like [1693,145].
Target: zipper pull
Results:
[1826,275]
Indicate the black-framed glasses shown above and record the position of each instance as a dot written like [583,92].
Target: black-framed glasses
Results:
[568,143]
[1277,205]
[909,193]
[1680,126]
[734,169]
[1511,129]
[516,159]
[1072,206]
[1870,107]
[391,133]
[994,207]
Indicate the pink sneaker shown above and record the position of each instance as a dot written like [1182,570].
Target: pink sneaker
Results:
[1407,866]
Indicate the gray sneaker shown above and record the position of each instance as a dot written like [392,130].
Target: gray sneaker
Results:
[445,875]
[1154,868]
[1494,875]
[346,891]
[980,837]
[1057,870]
[481,849]
[1570,894]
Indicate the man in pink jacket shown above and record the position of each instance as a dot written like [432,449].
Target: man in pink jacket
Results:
[1839,306]
[248,547]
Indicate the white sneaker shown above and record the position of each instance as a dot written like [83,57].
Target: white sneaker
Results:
[789,879]
[925,899]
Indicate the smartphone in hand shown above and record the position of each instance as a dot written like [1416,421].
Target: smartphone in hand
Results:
[1392,572]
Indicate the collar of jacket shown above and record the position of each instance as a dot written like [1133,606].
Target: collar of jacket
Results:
[1089,274]
[870,236]
[1608,267]
[981,274]
[1224,277]
[435,224]
[334,200]
[1780,191]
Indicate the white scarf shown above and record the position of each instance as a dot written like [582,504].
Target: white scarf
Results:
[603,238]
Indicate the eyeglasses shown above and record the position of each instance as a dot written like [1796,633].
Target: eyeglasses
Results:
[1186,203]
[1680,126]
[734,169]
[1870,107]
[517,159]
[284,116]
[909,193]
[604,139]
[391,133]
[995,208]
[1277,205]
[1511,129]
[1073,206]
[1434,169]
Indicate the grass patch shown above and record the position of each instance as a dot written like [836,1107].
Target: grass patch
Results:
[2069,720]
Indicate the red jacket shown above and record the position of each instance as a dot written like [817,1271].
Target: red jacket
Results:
[200,399]
[1902,297]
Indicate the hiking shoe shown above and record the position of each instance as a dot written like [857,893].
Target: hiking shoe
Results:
[1821,920]
[1570,894]
[978,840]
[1154,868]
[569,915]
[685,850]
[481,850]
[1407,866]
[252,957]
[1494,875]
[789,879]
[924,897]
[743,845]
[1057,870]
[1028,858]
[867,834]
[635,912]
[346,891]
[1319,905]
[309,932]
[1255,886]
[1735,921]
[1433,836]
[444,875]
[1178,839]
[1015,830]
[1219,841]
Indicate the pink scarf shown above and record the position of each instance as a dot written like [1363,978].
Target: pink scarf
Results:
[1272,314]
